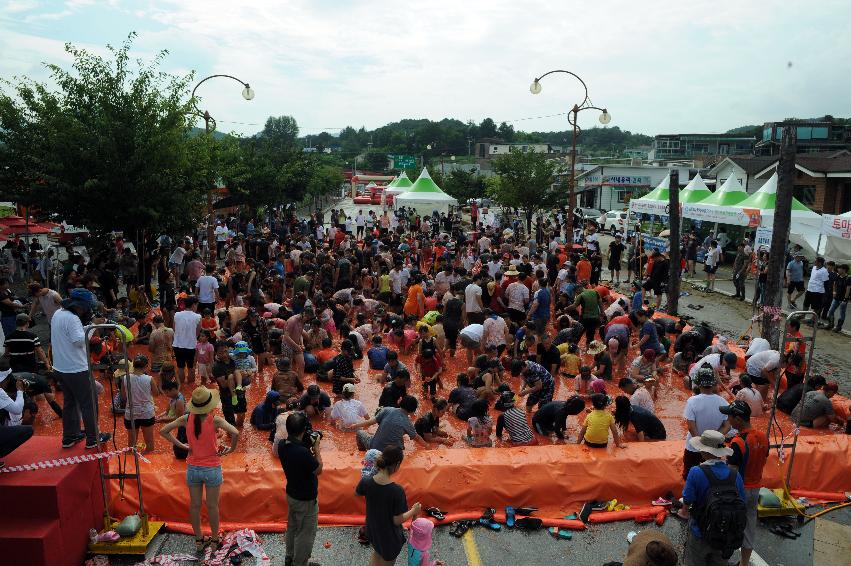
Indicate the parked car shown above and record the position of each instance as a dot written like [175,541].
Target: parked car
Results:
[586,215]
[616,221]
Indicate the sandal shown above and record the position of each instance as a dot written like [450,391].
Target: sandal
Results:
[509,516]
[201,544]
[781,532]
[525,511]
[458,528]
[490,523]
[436,513]
[529,523]
[562,534]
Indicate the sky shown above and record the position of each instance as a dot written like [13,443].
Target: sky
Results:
[658,67]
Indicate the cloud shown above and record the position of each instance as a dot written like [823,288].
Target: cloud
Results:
[705,65]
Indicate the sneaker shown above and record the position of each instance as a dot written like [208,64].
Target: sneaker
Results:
[73,440]
[103,437]
[661,502]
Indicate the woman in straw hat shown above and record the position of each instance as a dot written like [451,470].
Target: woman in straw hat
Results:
[204,464]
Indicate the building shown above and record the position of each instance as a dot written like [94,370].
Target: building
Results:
[488,148]
[822,180]
[671,147]
[813,136]
[610,187]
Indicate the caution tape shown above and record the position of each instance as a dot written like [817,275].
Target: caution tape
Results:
[70,460]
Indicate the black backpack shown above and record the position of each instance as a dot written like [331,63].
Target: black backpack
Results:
[723,516]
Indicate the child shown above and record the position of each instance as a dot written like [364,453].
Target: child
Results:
[167,376]
[598,423]
[176,403]
[479,425]
[570,361]
[750,395]
[208,322]
[141,409]
[430,369]
[419,543]
[377,354]
[428,425]
[597,385]
[245,362]
[286,381]
[581,383]
[204,356]
[513,420]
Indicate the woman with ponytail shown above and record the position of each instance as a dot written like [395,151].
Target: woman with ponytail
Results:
[203,464]
[386,508]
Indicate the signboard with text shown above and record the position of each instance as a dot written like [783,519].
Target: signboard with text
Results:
[403,161]
[722,214]
[836,226]
[651,242]
[762,240]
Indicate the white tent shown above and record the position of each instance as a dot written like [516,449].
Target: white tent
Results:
[425,196]
[836,237]
[399,185]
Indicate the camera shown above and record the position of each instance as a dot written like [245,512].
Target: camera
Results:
[314,435]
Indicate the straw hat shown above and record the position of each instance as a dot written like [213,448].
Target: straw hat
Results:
[712,442]
[512,271]
[595,347]
[650,547]
[203,400]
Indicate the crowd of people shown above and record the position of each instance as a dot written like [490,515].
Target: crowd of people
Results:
[296,305]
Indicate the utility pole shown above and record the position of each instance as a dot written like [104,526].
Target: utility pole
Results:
[771,328]
[675,271]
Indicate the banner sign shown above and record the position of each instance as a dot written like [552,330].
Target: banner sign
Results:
[722,215]
[658,207]
[617,180]
[836,226]
[650,242]
[403,161]
[762,240]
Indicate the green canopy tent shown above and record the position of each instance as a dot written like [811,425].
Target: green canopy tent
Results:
[399,185]
[425,196]
[719,206]
[654,202]
[695,191]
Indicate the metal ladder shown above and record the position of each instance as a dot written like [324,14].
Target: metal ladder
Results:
[108,521]
[803,316]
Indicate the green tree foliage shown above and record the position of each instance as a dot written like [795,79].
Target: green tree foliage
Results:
[374,161]
[107,148]
[525,181]
[463,185]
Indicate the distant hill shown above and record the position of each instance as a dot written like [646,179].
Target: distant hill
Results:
[200,132]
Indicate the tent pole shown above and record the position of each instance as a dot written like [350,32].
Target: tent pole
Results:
[818,245]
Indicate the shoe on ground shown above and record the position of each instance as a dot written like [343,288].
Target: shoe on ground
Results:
[661,502]
[103,437]
[73,440]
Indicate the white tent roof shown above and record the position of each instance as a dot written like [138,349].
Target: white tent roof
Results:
[426,197]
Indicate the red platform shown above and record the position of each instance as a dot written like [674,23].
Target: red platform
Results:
[47,513]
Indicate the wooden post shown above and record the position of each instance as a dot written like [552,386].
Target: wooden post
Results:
[675,272]
[772,329]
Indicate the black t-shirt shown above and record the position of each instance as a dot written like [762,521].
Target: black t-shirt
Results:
[6,310]
[646,422]
[549,357]
[299,466]
[321,403]
[553,415]
[343,369]
[840,287]
[452,310]
[222,369]
[464,397]
[616,251]
[606,361]
[392,394]
[789,399]
[427,424]
[383,502]
[20,347]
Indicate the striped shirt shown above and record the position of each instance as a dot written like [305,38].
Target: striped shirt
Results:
[21,345]
[514,421]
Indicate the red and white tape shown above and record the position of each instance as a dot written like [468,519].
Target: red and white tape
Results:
[233,543]
[70,460]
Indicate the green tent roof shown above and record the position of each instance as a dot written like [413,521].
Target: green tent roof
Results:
[424,184]
[660,192]
[401,181]
[766,197]
[695,191]
[729,194]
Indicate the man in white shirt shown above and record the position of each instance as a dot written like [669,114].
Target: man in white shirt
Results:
[348,410]
[443,280]
[710,264]
[471,340]
[762,368]
[221,234]
[473,301]
[702,413]
[208,290]
[721,364]
[814,299]
[494,265]
[495,332]
[360,223]
[187,327]
[484,244]
[518,296]
[71,367]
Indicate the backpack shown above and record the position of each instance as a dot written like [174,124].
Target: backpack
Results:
[723,516]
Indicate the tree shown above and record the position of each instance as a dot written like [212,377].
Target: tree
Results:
[771,328]
[280,133]
[464,185]
[506,132]
[375,160]
[107,147]
[525,182]
[487,129]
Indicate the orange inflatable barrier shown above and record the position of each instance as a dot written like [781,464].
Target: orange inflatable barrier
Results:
[637,514]
[826,496]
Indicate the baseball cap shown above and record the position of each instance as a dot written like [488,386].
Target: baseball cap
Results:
[737,408]
[349,388]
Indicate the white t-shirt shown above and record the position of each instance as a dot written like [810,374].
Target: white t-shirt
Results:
[49,303]
[348,412]
[818,277]
[484,244]
[396,281]
[767,360]
[713,360]
[177,255]
[186,329]
[470,293]
[641,398]
[143,402]
[359,220]
[221,233]
[518,296]
[494,331]
[493,267]
[14,408]
[712,257]
[68,342]
[753,398]
[207,285]
[473,331]
[704,411]
[757,345]
[592,242]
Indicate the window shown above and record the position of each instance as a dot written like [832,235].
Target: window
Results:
[766,134]
[806,194]
[723,149]
[700,147]
[778,134]
[623,196]
[805,133]
[819,133]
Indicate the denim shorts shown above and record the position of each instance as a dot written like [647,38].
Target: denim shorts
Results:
[204,475]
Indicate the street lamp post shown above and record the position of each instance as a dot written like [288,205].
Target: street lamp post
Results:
[605,118]
[209,127]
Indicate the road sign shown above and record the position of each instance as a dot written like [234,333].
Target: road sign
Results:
[403,161]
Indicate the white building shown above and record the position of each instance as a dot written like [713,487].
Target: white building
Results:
[610,187]
[745,168]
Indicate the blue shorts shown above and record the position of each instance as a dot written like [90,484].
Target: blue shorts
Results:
[204,475]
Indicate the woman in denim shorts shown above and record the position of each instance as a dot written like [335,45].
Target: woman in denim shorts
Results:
[204,464]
